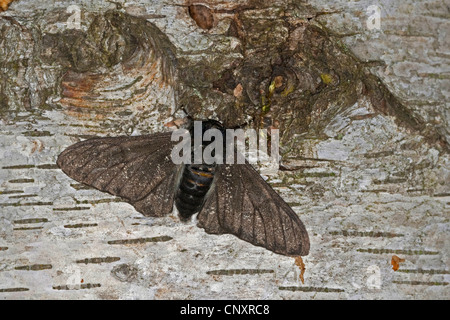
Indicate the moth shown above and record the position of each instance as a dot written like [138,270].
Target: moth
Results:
[4,4]
[227,198]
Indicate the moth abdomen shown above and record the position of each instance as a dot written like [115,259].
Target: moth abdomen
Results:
[195,183]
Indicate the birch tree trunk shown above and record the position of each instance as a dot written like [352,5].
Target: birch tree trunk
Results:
[359,91]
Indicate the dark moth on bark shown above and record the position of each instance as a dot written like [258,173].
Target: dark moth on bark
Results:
[229,198]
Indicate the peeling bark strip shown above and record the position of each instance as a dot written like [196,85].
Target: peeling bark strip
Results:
[375,190]
[417,190]
[363,116]
[81,136]
[23,196]
[444,194]
[380,154]
[13,289]
[315,174]
[28,228]
[80,186]
[11,191]
[311,289]
[21,181]
[399,251]
[424,271]
[98,260]
[108,200]
[25,204]
[23,166]
[78,287]
[31,220]
[231,272]
[36,133]
[294,204]
[34,267]
[47,166]
[141,240]
[375,234]
[421,283]
[71,208]
[390,180]
[80,225]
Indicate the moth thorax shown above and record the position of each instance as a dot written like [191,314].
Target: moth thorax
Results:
[195,183]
